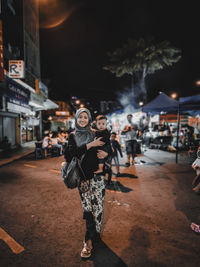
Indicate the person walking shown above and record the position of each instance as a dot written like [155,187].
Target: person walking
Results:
[115,149]
[82,144]
[130,132]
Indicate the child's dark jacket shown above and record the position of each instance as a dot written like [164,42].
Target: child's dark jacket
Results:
[105,134]
[116,147]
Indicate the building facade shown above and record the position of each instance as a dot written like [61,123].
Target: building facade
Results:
[22,98]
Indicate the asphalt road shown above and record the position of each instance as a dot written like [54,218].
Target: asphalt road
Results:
[146,218]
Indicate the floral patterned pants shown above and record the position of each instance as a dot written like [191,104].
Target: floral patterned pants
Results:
[93,205]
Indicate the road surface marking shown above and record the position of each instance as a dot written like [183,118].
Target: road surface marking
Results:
[13,245]
[56,171]
[30,166]
[113,191]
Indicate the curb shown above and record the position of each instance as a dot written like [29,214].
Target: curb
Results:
[4,162]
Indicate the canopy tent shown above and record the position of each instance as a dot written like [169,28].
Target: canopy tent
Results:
[190,104]
[163,103]
[194,99]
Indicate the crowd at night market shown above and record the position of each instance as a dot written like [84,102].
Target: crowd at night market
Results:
[150,132]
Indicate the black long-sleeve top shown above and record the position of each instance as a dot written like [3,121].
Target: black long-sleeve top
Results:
[116,147]
[89,162]
[105,134]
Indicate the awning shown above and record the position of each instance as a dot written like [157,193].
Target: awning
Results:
[48,104]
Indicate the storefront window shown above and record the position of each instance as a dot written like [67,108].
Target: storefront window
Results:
[8,130]
[29,129]
[29,134]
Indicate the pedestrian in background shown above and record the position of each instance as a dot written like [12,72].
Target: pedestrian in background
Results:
[82,144]
[130,132]
[46,143]
[116,148]
[55,144]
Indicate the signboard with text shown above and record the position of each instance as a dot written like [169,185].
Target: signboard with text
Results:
[17,94]
[16,69]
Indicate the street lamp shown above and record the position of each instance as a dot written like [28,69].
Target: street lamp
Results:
[174,95]
[197,83]
[141,103]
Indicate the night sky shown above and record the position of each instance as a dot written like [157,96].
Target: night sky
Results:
[74,53]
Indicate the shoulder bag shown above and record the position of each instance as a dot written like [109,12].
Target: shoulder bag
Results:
[73,175]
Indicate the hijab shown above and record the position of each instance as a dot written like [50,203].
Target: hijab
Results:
[83,135]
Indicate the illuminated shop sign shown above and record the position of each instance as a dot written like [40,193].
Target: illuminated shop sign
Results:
[62,113]
[17,94]
[16,69]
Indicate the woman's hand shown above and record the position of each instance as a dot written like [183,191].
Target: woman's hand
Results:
[101,154]
[63,163]
[98,142]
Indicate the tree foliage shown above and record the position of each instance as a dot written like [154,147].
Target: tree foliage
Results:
[142,57]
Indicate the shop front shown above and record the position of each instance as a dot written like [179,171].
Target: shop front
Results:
[21,113]
[30,128]
[8,130]
[20,123]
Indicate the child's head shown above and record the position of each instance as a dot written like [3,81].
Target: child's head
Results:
[101,122]
[113,136]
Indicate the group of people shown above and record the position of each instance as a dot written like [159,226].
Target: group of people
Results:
[55,140]
[165,137]
[96,147]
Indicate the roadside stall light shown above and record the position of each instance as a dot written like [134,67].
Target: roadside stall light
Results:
[174,95]
[141,103]
[198,83]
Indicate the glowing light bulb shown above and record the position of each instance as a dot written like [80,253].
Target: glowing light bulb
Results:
[174,95]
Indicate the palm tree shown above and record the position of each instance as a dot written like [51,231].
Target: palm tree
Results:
[139,58]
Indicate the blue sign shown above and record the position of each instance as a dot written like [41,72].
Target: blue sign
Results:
[16,93]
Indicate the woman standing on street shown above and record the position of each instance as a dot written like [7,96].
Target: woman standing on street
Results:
[81,143]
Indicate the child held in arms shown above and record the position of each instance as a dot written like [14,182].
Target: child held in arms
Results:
[102,131]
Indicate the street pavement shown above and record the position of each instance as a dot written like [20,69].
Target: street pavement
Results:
[148,210]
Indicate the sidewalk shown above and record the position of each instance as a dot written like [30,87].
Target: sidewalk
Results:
[148,157]
[156,156]
[8,157]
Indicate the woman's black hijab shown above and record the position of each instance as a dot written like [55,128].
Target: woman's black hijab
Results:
[83,135]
